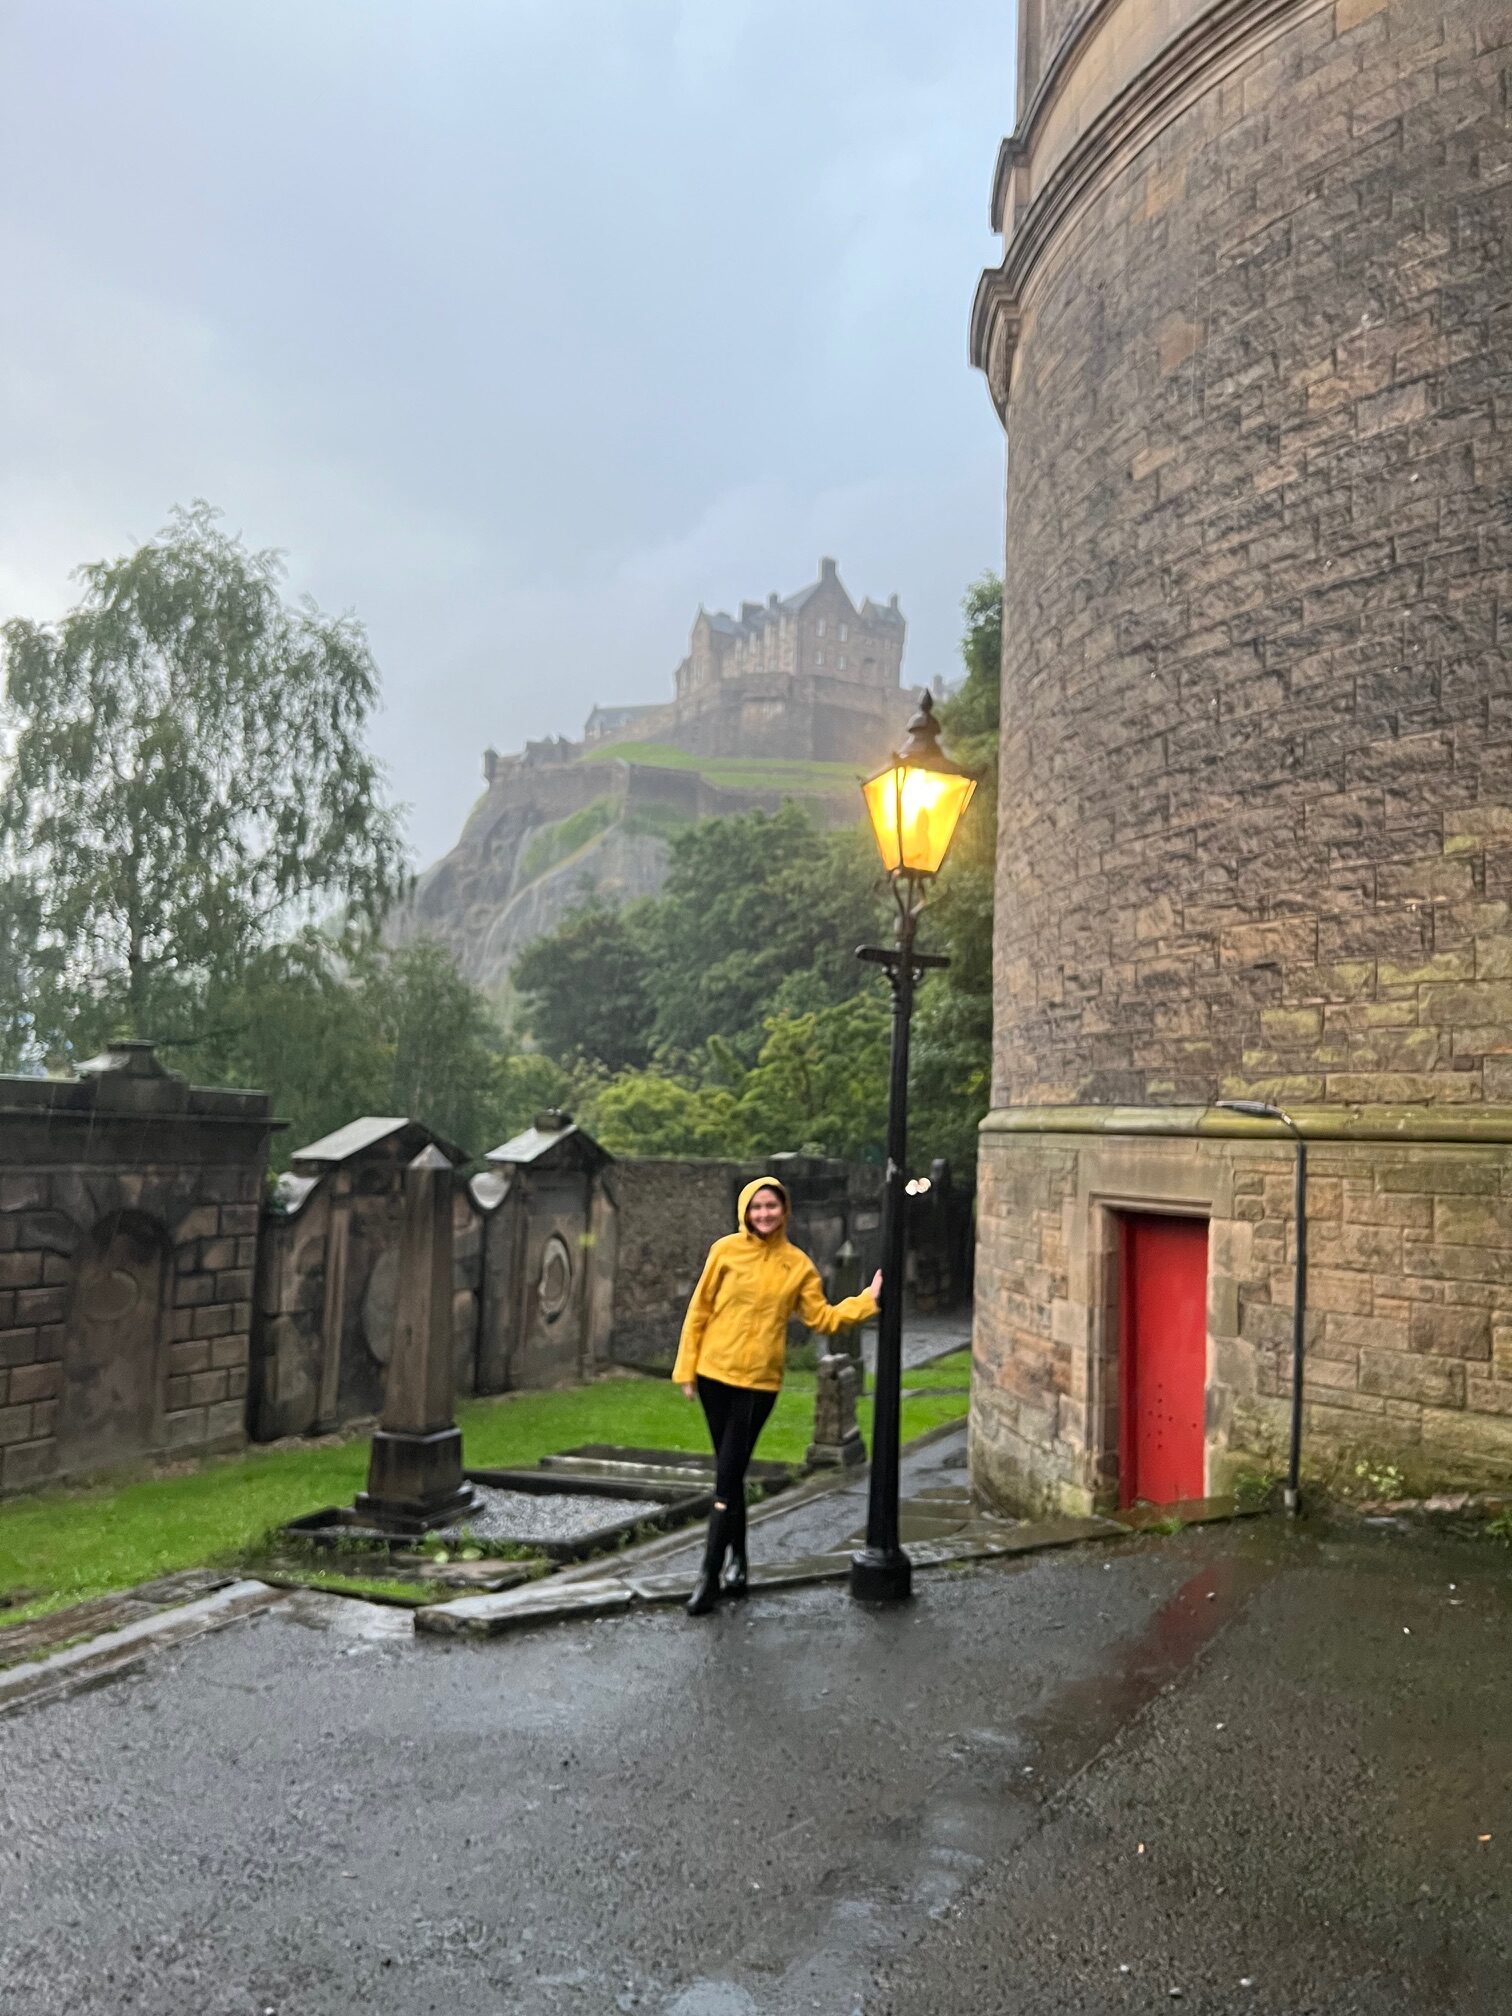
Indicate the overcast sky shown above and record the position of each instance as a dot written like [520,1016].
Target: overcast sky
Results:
[522,326]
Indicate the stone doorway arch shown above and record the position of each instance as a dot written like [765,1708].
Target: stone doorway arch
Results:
[112,1353]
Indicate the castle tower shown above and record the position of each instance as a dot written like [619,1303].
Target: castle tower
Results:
[808,675]
[1251,347]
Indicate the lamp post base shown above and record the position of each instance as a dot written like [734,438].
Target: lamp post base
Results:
[881,1576]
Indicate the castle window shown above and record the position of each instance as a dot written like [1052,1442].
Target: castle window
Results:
[819,627]
[844,633]
[818,657]
[842,659]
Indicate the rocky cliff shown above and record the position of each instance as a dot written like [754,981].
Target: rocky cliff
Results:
[548,834]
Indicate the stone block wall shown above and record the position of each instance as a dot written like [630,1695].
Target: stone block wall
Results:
[1408,1328]
[128,1241]
[1257,759]
[670,1212]
[1251,345]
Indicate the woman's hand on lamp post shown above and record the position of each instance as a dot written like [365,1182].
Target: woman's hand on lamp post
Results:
[875,1290]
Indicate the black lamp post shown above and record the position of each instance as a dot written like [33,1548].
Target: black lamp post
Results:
[914,804]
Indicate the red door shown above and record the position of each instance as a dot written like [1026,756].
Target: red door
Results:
[1162,1359]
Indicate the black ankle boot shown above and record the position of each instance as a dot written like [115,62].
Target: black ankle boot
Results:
[737,1573]
[706,1588]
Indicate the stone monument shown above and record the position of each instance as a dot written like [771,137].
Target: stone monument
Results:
[415,1480]
[837,1440]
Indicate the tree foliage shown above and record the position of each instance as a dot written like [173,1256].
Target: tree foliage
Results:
[399,1032]
[188,783]
[760,915]
[584,993]
[952,1053]
[820,1082]
[729,1015]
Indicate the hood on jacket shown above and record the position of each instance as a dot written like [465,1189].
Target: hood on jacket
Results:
[763,1183]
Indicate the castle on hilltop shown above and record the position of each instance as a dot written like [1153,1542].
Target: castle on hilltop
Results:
[811,676]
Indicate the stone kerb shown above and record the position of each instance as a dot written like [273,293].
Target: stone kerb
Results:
[128,1242]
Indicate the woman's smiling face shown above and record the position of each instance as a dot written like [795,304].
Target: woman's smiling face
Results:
[765,1213]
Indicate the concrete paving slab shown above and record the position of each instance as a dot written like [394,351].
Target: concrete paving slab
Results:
[807,1568]
[544,1602]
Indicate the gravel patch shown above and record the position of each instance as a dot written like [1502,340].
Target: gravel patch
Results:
[549,1515]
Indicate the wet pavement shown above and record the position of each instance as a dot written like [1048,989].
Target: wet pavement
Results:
[789,1532]
[924,1337]
[1242,1769]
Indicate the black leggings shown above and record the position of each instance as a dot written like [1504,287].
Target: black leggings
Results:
[736,1416]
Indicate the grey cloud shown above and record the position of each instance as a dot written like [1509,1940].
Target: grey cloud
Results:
[523,328]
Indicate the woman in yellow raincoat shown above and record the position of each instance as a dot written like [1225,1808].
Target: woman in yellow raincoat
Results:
[733,1353]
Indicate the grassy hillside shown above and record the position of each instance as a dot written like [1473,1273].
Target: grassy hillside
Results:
[735,773]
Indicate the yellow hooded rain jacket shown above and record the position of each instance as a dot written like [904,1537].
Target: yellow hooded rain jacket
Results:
[736,1326]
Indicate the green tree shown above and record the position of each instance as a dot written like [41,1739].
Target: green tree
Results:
[760,915]
[397,1032]
[583,990]
[970,717]
[293,1025]
[952,1045]
[654,1113]
[525,1083]
[440,1042]
[188,783]
[820,1083]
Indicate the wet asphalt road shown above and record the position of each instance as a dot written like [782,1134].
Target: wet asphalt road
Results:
[798,1806]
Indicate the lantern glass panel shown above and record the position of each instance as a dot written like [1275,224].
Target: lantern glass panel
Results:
[914,813]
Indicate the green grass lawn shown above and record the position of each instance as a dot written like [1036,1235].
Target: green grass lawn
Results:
[954,1370]
[736,773]
[69,1544]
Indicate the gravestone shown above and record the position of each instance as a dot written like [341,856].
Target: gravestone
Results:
[415,1480]
[837,1440]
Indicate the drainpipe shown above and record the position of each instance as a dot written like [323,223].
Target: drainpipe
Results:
[1262,1109]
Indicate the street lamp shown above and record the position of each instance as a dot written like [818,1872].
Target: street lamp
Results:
[1262,1109]
[914,803]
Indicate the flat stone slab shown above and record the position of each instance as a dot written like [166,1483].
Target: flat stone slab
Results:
[807,1568]
[917,1523]
[542,1603]
[957,1539]
[100,1614]
[488,1574]
[685,1466]
[101,1657]
[1035,1534]
[670,1587]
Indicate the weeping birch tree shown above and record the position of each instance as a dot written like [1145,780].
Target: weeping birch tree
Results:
[184,780]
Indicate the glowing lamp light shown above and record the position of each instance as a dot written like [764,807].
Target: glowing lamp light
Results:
[915,803]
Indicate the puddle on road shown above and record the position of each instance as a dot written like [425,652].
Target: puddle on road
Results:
[1084,1716]
[970,1821]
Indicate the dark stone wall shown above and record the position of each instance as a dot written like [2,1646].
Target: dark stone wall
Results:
[1256,828]
[128,1243]
[669,1213]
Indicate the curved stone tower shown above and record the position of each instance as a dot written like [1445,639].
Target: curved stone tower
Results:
[1251,342]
